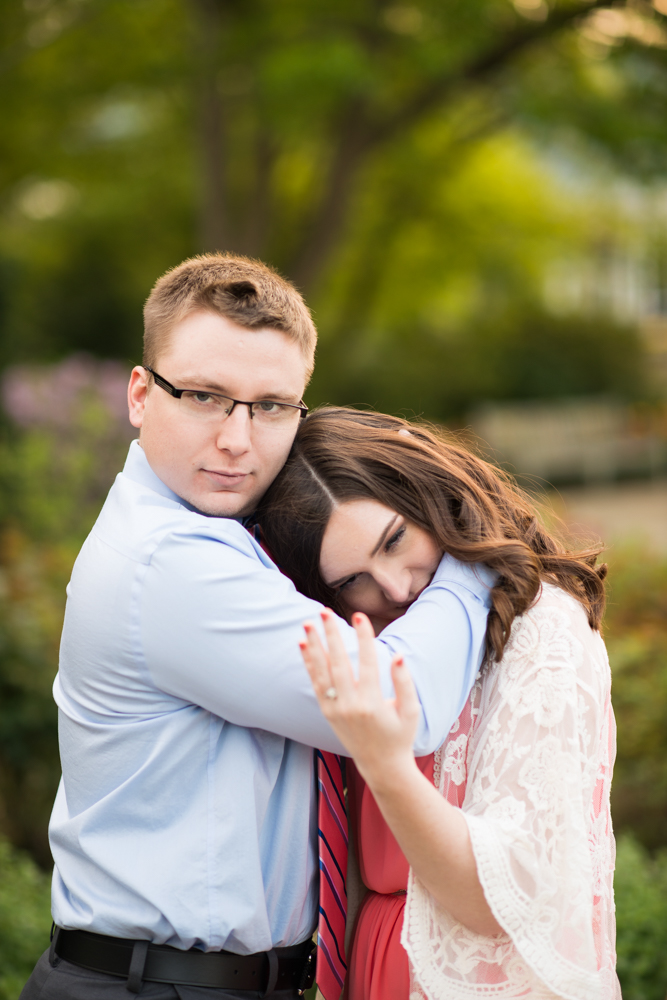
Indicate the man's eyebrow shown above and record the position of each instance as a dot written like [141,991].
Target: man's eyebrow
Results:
[199,381]
[384,534]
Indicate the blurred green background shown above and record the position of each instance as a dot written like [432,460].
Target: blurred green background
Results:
[472,195]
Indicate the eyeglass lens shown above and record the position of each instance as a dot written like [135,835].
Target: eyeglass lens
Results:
[205,405]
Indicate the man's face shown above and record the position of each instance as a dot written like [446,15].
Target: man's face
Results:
[221,467]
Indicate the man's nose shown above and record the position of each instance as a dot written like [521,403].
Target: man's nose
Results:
[234,434]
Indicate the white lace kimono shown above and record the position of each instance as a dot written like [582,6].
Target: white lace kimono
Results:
[529,762]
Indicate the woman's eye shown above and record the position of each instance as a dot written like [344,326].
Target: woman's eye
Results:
[347,583]
[395,539]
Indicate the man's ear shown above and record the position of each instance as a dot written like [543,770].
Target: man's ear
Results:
[137,391]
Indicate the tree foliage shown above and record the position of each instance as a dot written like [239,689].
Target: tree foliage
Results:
[401,161]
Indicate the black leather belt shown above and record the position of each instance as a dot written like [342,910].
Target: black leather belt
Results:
[278,969]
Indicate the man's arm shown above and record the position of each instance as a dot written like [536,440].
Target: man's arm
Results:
[220,628]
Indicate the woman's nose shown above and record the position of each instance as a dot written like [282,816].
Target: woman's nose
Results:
[396,586]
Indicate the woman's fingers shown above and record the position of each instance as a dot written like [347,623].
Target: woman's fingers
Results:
[361,703]
[365,722]
[339,663]
[316,660]
[328,668]
[407,702]
[369,676]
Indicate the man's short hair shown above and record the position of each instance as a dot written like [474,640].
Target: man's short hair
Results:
[245,291]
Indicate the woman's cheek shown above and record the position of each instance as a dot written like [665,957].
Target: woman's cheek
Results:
[368,603]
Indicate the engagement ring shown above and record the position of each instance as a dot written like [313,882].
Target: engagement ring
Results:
[331,693]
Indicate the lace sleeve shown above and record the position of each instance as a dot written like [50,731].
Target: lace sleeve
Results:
[536,766]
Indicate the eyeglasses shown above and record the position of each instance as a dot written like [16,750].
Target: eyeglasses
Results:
[214,406]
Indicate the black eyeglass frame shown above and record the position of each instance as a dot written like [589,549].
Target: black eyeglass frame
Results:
[177,393]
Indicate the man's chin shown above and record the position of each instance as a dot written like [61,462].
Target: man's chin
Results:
[230,504]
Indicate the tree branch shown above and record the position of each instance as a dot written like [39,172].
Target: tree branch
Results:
[327,225]
[214,223]
[481,67]
[260,204]
[359,299]
[361,136]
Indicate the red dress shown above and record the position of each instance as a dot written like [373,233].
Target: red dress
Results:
[378,963]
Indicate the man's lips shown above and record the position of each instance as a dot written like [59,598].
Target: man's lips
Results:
[226,478]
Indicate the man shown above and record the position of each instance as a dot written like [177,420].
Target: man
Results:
[184,831]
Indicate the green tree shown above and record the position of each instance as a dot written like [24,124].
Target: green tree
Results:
[395,159]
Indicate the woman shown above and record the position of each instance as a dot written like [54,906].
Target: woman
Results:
[503,838]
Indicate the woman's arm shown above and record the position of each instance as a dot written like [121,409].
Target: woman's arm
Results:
[379,735]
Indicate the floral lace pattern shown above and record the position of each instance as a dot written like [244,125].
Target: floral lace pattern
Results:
[529,762]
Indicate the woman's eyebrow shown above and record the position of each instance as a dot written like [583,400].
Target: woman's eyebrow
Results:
[384,535]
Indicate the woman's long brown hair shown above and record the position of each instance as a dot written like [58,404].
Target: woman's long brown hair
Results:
[475,512]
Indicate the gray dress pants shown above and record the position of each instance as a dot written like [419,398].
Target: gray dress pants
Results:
[64,981]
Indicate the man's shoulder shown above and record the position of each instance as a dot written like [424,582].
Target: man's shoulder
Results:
[135,521]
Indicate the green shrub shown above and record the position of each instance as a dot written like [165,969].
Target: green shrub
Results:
[25,918]
[636,637]
[641,921]
[58,458]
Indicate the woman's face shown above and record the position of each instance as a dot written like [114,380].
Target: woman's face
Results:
[376,560]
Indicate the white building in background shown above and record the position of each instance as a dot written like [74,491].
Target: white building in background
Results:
[623,276]
[588,440]
[578,440]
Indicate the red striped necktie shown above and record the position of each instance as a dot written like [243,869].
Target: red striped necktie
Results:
[332,838]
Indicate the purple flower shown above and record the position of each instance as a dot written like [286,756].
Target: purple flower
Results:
[57,396]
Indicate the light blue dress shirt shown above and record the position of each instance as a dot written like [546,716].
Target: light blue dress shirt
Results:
[186,813]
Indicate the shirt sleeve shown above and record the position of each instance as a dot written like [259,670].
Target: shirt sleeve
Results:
[220,627]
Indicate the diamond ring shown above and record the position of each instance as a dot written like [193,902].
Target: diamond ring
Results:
[331,693]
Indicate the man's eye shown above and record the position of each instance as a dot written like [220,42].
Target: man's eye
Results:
[268,406]
[203,397]
[395,539]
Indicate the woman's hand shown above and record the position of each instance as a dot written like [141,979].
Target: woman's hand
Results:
[377,732]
